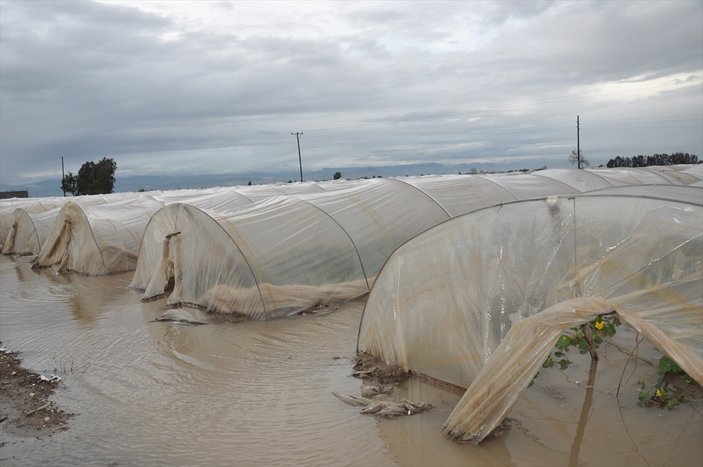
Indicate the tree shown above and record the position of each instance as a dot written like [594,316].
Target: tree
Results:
[93,178]
[655,159]
[337,175]
[579,160]
[69,184]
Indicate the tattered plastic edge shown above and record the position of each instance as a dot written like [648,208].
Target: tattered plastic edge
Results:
[521,353]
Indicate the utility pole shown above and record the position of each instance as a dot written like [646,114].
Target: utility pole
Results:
[63,176]
[578,143]
[300,160]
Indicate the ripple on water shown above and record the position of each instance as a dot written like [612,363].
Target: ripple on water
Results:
[256,393]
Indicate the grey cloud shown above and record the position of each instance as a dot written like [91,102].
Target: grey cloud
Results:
[85,79]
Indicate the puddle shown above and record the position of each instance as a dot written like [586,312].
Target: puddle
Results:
[259,393]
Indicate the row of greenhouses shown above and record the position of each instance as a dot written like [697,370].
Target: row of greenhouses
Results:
[470,278]
[274,250]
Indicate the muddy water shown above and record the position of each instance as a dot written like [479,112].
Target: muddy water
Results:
[258,393]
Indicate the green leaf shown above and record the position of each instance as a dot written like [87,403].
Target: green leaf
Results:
[583,346]
[563,343]
[645,395]
[667,365]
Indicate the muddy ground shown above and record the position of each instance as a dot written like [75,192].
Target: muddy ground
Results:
[25,408]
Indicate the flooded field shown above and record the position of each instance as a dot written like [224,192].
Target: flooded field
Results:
[259,393]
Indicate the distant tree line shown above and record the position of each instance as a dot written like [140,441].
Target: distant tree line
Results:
[93,178]
[655,159]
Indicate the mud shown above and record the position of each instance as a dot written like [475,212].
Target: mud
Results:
[25,407]
[369,367]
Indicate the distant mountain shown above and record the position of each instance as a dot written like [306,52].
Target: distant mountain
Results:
[165,182]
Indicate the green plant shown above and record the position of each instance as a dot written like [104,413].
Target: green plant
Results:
[667,365]
[664,393]
[602,326]
[663,396]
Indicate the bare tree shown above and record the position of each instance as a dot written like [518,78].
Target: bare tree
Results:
[578,159]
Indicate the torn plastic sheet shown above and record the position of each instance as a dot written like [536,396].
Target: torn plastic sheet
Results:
[445,301]
[520,355]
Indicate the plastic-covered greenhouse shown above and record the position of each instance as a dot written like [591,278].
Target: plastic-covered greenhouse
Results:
[31,225]
[479,301]
[30,205]
[98,239]
[284,255]
[28,231]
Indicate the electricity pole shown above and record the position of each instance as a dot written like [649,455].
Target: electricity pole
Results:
[300,160]
[63,177]
[578,143]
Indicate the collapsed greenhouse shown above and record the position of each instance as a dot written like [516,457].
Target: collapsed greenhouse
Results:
[479,301]
[30,225]
[287,254]
[28,231]
[33,206]
[97,239]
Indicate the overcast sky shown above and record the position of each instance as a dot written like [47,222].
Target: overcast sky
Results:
[203,87]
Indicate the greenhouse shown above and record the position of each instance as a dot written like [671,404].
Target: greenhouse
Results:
[284,255]
[30,225]
[479,301]
[28,231]
[30,205]
[98,239]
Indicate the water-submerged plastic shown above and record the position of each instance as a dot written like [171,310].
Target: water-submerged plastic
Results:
[97,239]
[446,300]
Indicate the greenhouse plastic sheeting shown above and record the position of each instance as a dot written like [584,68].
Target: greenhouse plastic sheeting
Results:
[687,193]
[633,176]
[582,180]
[262,192]
[223,200]
[459,194]
[98,239]
[444,300]
[677,173]
[285,254]
[30,205]
[31,225]
[374,214]
[29,231]
[371,218]
[695,170]
[279,257]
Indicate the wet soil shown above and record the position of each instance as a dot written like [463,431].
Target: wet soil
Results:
[25,408]
[369,367]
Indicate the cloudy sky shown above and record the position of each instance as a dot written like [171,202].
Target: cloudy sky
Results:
[213,87]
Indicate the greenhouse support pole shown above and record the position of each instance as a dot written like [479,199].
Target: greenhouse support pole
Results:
[300,159]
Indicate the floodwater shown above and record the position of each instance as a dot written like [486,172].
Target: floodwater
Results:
[259,393]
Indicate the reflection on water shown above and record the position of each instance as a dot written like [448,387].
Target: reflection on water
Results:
[259,393]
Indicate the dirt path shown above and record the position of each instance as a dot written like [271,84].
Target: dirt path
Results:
[25,409]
